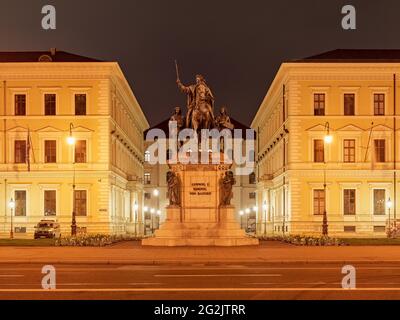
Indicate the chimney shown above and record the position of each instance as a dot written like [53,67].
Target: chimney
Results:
[53,51]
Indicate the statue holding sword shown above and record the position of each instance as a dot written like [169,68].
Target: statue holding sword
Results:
[200,103]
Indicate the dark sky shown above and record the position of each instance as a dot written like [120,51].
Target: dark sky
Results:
[237,45]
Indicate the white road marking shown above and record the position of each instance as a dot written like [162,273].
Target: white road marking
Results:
[215,275]
[194,290]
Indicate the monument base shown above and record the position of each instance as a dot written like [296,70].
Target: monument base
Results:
[176,232]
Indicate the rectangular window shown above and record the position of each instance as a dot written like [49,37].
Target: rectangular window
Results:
[349,201]
[20,203]
[169,154]
[80,151]
[252,195]
[147,196]
[147,156]
[20,230]
[50,104]
[349,104]
[20,151]
[80,104]
[379,202]
[380,150]
[349,229]
[379,104]
[319,202]
[319,104]
[20,105]
[147,178]
[349,151]
[252,178]
[50,151]
[319,154]
[50,203]
[379,229]
[80,203]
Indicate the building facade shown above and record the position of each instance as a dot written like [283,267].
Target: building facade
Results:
[327,142]
[47,99]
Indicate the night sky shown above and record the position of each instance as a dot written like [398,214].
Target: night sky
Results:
[237,45]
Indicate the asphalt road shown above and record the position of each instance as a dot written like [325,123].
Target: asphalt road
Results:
[201,282]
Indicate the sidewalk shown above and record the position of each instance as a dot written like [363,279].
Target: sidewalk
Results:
[133,253]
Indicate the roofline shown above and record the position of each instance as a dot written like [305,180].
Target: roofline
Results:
[270,90]
[344,61]
[146,124]
[113,65]
[285,66]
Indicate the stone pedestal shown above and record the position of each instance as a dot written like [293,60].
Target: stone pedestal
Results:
[200,220]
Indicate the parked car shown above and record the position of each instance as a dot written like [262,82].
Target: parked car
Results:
[48,229]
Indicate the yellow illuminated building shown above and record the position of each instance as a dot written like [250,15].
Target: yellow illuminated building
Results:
[48,99]
[327,142]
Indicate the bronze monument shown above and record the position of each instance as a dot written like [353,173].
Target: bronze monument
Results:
[173,189]
[178,118]
[223,121]
[227,183]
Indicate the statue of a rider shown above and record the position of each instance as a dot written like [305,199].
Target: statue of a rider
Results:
[200,104]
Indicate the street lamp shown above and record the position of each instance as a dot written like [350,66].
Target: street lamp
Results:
[389,206]
[158,218]
[152,212]
[145,211]
[136,208]
[328,139]
[11,204]
[241,214]
[247,211]
[71,141]
[265,208]
[156,192]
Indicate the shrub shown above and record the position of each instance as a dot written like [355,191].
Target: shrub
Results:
[393,231]
[99,240]
[303,240]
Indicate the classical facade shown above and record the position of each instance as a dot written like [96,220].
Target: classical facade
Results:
[327,144]
[47,99]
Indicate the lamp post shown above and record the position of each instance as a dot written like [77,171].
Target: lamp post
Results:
[152,212]
[327,140]
[158,218]
[265,217]
[136,208]
[12,207]
[247,211]
[71,141]
[145,210]
[241,214]
[389,206]
[156,193]
[255,209]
